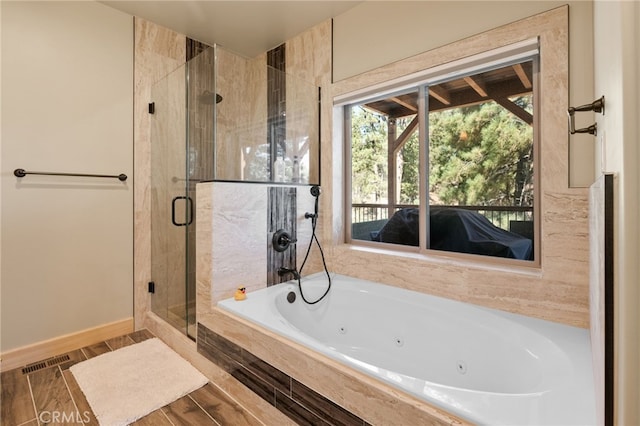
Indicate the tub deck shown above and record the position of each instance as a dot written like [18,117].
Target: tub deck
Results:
[372,400]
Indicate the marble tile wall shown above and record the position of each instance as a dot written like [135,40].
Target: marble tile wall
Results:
[557,290]
[282,212]
[235,251]
[241,118]
[309,61]
[253,112]
[277,118]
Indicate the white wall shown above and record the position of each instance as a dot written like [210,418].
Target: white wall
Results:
[377,33]
[616,47]
[67,242]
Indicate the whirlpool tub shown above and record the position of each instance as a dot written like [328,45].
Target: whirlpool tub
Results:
[483,365]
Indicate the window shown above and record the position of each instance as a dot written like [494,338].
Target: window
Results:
[448,163]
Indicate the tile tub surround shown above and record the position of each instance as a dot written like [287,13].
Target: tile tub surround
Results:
[365,397]
[242,216]
[282,213]
[294,399]
[558,290]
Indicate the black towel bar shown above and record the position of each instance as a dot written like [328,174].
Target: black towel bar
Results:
[22,173]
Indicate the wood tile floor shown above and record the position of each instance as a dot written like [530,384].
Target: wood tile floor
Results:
[47,393]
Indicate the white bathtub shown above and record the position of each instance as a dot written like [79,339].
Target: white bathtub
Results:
[484,365]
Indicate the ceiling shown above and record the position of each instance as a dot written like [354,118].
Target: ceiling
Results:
[248,28]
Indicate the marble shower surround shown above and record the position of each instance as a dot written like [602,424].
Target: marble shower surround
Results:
[239,123]
[233,250]
[159,51]
[281,211]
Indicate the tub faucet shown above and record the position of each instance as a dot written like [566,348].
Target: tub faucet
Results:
[282,271]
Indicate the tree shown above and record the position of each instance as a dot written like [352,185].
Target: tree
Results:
[481,155]
[368,156]
[478,155]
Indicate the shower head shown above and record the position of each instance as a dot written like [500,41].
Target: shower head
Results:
[207,98]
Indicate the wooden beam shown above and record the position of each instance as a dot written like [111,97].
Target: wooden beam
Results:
[476,85]
[522,75]
[373,110]
[515,110]
[470,97]
[440,94]
[405,104]
[406,134]
[391,166]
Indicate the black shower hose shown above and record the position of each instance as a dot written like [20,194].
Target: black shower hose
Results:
[314,221]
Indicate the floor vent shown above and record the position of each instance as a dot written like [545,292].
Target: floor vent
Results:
[44,364]
[57,360]
[34,367]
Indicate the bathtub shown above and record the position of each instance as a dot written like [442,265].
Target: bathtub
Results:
[483,365]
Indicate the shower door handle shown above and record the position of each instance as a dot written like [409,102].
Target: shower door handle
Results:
[189,208]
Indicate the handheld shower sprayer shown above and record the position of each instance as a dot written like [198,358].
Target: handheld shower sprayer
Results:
[315,191]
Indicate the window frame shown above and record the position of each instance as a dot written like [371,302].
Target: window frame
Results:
[527,50]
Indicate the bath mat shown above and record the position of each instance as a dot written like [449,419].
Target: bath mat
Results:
[129,383]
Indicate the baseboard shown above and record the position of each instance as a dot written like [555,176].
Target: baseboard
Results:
[59,345]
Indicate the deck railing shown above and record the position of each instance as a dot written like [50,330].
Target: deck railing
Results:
[500,216]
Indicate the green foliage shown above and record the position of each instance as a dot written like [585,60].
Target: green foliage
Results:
[478,155]
[409,158]
[481,155]
[368,156]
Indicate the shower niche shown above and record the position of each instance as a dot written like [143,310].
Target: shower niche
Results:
[220,117]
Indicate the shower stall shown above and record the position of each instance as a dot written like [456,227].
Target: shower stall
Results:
[219,117]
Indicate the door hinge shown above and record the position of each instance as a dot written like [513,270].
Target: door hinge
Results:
[152,287]
[152,108]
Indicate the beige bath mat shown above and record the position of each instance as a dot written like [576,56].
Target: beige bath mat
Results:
[129,383]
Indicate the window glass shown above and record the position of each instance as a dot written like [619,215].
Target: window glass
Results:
[478,165]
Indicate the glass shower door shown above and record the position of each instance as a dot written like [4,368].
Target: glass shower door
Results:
[182,133]
[171,211]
